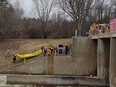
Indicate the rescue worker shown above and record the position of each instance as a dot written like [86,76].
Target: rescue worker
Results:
[49,51]
[60,49]
[14,58]
[51,48]
[45,51]
[42,48]
[66,49]
[8,54]
[55,51]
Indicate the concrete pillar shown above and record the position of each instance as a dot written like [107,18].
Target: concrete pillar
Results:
[103,58]
[50,64]
[113,62]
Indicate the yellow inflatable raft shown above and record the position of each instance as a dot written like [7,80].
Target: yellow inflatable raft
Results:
[29,54]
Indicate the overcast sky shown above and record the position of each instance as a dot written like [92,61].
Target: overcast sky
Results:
[29,8]
[26,5]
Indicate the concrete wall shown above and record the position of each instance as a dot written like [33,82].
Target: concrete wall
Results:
[58,65]
[113,63]
[84,52]
[103,58]
[55,80]
[83,61]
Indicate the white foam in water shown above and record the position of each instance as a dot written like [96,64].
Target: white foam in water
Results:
[3,79]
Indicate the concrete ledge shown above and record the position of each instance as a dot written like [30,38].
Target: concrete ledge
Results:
[54,80]
[103,35]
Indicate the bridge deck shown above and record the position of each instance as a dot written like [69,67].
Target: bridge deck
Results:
[103,35]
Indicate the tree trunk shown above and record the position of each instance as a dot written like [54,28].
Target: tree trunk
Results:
[43,29]
[79,27]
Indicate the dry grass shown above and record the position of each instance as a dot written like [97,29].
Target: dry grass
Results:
[22,46]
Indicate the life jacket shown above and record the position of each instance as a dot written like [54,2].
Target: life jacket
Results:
[49,51]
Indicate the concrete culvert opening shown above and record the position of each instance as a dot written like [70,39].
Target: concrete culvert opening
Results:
[103,58]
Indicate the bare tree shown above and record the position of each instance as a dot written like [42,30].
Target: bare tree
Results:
[78,10]
[113,10]
[9,24]
[44,9]
[16,6]
[3,9]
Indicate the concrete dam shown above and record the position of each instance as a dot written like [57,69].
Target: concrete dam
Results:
[91,64]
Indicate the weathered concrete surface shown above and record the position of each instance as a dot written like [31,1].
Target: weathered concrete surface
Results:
[105,54]
[36,66]
[43,80]
[3,81]
[104,35]
[58,65]
[103,58]
[63,65]
[84,52]
[83,61]
[113,63]
[50,65]
[114,81]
